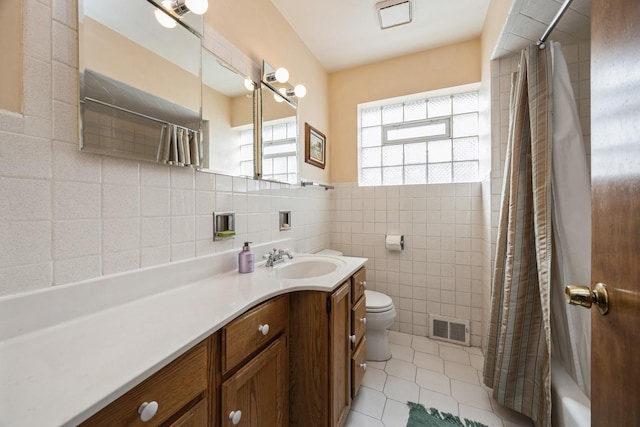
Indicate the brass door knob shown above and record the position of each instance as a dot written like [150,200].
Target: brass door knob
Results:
[585,297]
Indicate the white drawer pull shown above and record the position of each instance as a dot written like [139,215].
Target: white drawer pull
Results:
[235,416]
[264,329]
[363,283]
[352,338]
[147,410]
[363,366]
[363,320]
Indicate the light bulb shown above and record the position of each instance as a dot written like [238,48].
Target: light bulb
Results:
[282,75]
[248,84]
[164,19]
[277,98]
[300,91]
[199,7]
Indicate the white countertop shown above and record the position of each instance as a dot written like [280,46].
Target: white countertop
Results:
[62,371]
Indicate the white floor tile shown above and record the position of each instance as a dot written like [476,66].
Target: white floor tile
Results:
[477,361]
[374,378]
[401,369]
[377,365]
[428,361]
[443,403]
[401,352]
[470,394]
[401,390]
[396,414]
[437,374]
[434,381]
[425,345]
[369,402]
[461,372]
[484,417]
[400,338]
[356,419]
[453,354]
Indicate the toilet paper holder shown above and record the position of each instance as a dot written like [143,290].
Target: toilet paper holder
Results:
[394,242]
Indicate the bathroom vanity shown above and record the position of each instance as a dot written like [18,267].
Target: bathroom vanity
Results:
[227,349]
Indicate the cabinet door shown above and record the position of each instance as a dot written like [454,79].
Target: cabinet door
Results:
[194,417]
[259,390]
[340,354]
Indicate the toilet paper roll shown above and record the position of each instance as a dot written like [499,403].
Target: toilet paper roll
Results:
[394,242]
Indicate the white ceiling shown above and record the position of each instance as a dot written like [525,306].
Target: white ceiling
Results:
[345,33]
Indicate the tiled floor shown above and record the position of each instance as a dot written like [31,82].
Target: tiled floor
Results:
[437,374]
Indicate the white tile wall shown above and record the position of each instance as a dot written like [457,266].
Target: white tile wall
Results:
[69,216]
[440,269]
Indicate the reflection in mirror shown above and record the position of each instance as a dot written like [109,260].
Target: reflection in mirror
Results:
[227,112]
[140,88]
[279,137]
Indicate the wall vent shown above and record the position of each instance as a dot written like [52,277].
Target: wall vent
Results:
[449,329]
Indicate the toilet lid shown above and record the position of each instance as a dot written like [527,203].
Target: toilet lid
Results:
[377,302]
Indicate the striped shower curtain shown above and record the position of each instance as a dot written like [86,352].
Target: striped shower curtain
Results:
[517,358]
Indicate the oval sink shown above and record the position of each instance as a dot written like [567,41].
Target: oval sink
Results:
[308,267]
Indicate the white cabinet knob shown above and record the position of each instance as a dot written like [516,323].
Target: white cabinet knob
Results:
[363,320]
[363,366]
[235,416]
[264,329]
[352,338]
[147,410]
[363,283]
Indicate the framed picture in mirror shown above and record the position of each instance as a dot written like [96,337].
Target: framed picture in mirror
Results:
[315,144]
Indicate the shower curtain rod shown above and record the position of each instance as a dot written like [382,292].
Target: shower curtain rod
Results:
[553,24]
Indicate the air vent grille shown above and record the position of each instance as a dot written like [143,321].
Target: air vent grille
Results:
[448,329]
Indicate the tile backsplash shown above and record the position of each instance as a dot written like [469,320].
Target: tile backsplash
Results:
[68,216]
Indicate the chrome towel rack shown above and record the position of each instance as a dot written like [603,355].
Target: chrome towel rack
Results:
[316,184]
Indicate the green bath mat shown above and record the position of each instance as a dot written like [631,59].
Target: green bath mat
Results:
[419,416]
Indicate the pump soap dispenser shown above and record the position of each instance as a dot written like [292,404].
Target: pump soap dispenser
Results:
[246,259]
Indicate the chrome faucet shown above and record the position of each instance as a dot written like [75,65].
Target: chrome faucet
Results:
[277,256]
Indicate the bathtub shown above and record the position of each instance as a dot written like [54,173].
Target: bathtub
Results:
[570,406]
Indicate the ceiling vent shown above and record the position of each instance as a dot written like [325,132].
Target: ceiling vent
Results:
[393,13]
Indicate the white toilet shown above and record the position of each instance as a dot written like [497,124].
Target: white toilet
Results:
[380,315]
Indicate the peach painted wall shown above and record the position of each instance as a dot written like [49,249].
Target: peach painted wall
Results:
[258,29]
[11,48]
[447,66]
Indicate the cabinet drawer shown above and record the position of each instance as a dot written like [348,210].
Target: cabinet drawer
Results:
[246,334]
[172,388]
[358,367]
[358,284]
[359,320]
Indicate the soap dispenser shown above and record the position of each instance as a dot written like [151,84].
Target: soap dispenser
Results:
[246,259]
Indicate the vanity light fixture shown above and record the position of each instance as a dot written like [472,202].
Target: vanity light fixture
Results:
[392,13]
[300,91]
[249,84]
[281,75]
[178,8]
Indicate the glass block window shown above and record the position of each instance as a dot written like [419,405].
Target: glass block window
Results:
[431,140]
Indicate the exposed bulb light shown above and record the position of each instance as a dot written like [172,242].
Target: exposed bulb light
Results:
[281,75]
[248,84]
[199,7]
[283,92]
[300,91]
[163,18]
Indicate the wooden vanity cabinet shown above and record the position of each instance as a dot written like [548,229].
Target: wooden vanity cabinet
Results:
[180,390]
[255,367]
[320,352]
[358,330]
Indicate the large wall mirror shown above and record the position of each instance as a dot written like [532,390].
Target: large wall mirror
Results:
[140,85]
[228,120]
[279,123]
